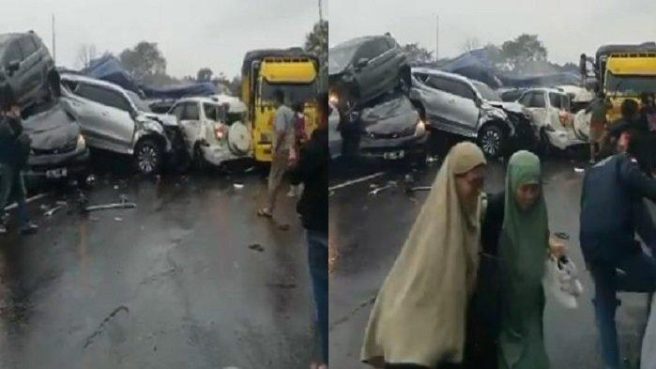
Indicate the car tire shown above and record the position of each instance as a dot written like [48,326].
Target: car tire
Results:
[148,156]
[491,140]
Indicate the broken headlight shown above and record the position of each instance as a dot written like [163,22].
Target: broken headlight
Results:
[81,143]
[420,130]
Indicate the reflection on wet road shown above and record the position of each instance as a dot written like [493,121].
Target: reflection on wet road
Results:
[174,283]
[368,230]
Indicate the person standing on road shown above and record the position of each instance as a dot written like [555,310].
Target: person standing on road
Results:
[419,318]
[283,144]
[312,171]
[612,212]
[14,150]
[300,138]
[598,124]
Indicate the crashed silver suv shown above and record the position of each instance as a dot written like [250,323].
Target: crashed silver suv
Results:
[471,109]
[117,120]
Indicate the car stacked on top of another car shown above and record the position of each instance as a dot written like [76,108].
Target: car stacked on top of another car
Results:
[27,67]
[376,119]
[117,120]
[457,105]
[209,136]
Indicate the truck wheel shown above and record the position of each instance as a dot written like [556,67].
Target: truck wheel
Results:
[148,156]
[491,139]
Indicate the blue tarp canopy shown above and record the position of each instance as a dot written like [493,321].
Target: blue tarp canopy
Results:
[110,69]
[177,92]
[478,65]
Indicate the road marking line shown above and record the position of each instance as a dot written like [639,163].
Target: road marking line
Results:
[31,199]
[355,181]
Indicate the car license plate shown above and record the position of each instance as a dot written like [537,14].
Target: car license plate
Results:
[394,155]
[57,173]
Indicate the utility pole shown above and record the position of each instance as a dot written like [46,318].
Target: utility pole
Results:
[437,38]
[54,45]
[320,12]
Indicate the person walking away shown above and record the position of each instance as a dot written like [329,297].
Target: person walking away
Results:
[598,109]
[300,138]
[14,151]
[312,171]
[419,317]
[612,212]
[521,201]
[283,143]
[523,249]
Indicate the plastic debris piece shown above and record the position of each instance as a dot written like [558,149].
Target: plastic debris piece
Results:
[118,219]
[256,247]
[238,186]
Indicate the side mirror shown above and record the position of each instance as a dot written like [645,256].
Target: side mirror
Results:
[13,66]
[362,62]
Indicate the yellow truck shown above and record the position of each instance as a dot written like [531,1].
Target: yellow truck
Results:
[292,71]
[623,72]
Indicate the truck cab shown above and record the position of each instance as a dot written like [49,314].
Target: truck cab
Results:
[266,71]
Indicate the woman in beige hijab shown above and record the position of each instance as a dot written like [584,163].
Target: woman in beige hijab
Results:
[419,316]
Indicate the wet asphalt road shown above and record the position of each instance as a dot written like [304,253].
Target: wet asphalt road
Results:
[192,278]
[367,232]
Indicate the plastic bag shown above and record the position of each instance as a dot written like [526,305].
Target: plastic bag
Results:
[561,281]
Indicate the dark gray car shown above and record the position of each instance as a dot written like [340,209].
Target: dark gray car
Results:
[27,67]
[362,69]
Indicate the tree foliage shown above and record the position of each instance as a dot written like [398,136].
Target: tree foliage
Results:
[521,51]
[145,61]
[204,74]
[316,42]
[418,55]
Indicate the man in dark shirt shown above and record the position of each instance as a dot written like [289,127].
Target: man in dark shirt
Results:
[312,171]
[14,149]
[612,212]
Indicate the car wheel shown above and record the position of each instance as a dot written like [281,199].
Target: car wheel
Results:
[491,140]
[148,157]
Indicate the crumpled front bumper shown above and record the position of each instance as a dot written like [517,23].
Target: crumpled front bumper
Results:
[393,148]
[75,162]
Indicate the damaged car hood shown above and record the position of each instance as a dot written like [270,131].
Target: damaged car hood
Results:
[512,107]
[392,116]
[52,129]
[164,119]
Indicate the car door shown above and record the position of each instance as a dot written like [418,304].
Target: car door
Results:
[33,75]
[16,77]
[76,97]
[190,120]
[110,117]
[368,76]
[535,102]
[464,108]
[439,103]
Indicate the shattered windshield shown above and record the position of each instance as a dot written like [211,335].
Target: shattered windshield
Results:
[339,57]
[630,85]
[139,103]
[294,93]
[486,92]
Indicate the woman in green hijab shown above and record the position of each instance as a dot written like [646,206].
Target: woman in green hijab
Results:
[523,248]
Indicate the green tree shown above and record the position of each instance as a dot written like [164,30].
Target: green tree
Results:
[144,61]
[521,51]
[204,74]
[316,42]
[418,55]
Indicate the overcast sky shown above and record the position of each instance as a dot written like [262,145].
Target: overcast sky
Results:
[567,28]
[191,34]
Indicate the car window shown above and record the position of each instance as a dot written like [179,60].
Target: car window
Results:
[558,101]
[438,83]
[103,96]
[463,90]
[27,45]
[212,112]
[421,77]
[537,100]
[526,99]
[190,112]
[13,53]
[177,111]
[372,49]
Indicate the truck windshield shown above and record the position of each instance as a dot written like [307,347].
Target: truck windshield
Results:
[630,84]
[294,92]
